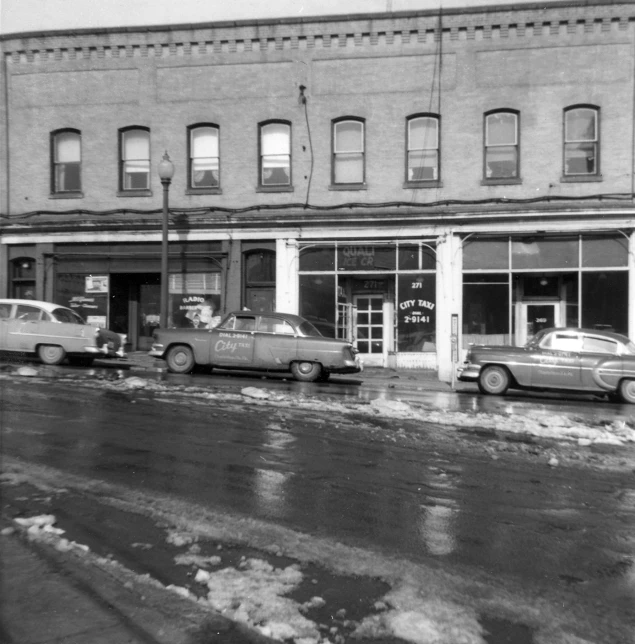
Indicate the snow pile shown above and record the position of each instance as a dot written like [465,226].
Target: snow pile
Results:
[418,619]
[42,528]
[254,595]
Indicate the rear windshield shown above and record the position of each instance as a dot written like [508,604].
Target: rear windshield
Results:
[67,315]
[306,328]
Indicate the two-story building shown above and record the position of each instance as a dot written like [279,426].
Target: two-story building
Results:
[415,180]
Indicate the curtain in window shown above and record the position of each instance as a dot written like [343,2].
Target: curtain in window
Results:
[204,157]
[423,154]
[501,152]
[275,149]
[349,152]
[580,148]
[136,160]
[67,160]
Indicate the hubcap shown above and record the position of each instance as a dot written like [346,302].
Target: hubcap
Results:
[305,367]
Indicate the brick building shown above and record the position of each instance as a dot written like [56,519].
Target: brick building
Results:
[414,180]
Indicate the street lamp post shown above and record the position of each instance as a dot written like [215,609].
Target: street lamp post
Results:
[166,172]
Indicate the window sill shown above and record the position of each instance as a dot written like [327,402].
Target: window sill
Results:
[66,195]
[501,182]
[582,178]
[416,185]
[348,186]
[134,193]
[203,191]
[274,189]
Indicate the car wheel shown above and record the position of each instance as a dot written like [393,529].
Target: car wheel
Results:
[306,371]
[81,361]
[51,353]
[180,359]
[627,391]
[493,380]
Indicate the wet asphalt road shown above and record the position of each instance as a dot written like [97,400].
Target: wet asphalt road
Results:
[426,495]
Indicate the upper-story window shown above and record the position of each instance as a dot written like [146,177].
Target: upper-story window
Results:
[502,159]
[204,156]
[348,151]
[275,154]
[423,148]
[67,159]
[135,159]
[581,141]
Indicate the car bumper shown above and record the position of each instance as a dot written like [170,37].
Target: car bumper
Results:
[468,372]
[349,366]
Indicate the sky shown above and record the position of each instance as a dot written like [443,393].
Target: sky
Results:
[45,15]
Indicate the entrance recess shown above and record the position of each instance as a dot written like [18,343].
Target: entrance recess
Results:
[370,328]
[535,316]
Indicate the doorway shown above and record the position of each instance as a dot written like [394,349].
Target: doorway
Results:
[135,304]
[535,316]
[369,330]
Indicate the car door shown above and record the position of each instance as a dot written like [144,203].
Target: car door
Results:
[232,343]
[276,343]
[595,351]
[555,364]
[23,330]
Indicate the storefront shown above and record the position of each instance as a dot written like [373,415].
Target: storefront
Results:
[513,286]
[379,295]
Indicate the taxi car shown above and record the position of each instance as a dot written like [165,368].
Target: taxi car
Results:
[54,333]
[257,341]
[572,359]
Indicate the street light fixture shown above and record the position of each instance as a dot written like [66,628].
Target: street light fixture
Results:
[166,172]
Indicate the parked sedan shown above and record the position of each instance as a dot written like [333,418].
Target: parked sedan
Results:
[581,360]
[54,333]
[257,341]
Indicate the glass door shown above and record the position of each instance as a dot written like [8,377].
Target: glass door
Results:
[535,316]
[370,325]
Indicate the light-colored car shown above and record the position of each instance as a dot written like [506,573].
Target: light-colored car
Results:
[571,359]
[257,341]
[54,333]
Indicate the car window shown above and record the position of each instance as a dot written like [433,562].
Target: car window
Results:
[27,312]
[307,329]
[5,310]
[67,315]
[599,345]
[275,325]
[565,342]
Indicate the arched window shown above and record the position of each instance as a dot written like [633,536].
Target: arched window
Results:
[204,156]
[423,148]
[581,141]
[134,144]
[348,151]
[502,158]
[66,155]
[275,154]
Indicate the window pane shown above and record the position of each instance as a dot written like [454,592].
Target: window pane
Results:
[501,162]
[67,177]
[489,253]
[349,168]
[605,301]
[580,158]
[604,251]
[276,170]
[317,258]
[408,257]
[205,173]
[275,139]
[501,129]
[416,316]
[136,175]
[317,302]
[423,165]
[485,309]
[580,125]
[423,134]
[205,142]
[349,136]
[366,258]
[136,145]
[67,147]
[545,253]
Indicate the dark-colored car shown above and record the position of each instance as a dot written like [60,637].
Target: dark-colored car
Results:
[581,360]
[258,341]
[54,333]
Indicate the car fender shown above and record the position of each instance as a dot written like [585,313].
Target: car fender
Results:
[607,373]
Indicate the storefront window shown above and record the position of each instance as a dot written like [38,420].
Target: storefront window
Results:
[318,302]
[544,253]
[604,251]
[605,301]
[415,257]
[87,295]
[317,258]
[485,309]
[485,254]
[195,300]
[416,313]
[366,258]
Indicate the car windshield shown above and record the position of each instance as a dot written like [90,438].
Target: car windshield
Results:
[67,315]
[307,329]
